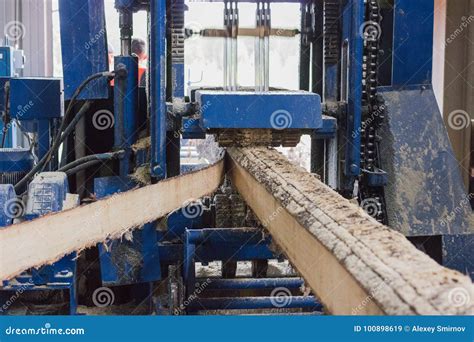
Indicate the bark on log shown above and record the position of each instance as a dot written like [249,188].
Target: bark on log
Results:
[354,264]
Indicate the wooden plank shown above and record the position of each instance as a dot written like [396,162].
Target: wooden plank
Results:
[47,239]
[354,264]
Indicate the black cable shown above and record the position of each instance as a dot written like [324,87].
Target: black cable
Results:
[93,157]
[72,102]
[6,119]
[81,167]
[53,148]
[76,94]
[59,138]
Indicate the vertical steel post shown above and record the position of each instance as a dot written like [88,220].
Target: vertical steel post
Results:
[157,93]
[353,21]
[126,100]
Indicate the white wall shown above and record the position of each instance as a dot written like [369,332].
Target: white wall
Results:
[32,20]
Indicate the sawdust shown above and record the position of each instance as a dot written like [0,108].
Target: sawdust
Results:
[142,175]
[142,144]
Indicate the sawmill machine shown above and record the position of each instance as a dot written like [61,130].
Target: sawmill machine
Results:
[365,98]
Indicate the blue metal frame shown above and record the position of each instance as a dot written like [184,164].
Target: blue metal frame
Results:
[157,96]
[249,109]
[6,61]
[353,19]
[125,108]
[84,47]
[412,42]
[36,102]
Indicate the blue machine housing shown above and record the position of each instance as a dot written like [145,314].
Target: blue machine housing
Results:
[35,102]
[6,61]
[36,98]
[279,109]
[7,195]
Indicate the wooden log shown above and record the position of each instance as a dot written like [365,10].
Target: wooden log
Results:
[354,264]
[47,239]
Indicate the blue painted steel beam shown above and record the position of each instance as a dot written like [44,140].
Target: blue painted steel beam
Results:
[223,235]
[132,5]
[272,1]
[250,283]
[249,303]
[157,70]
[84,47]
[169,253]
[125,107]
[269,110]
[328,130]
[353,19]
[412,42]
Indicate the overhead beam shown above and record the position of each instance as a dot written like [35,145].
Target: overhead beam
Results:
[353,264]
[47,239]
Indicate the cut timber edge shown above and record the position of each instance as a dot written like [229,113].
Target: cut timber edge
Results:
[353,264]
[45,240]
